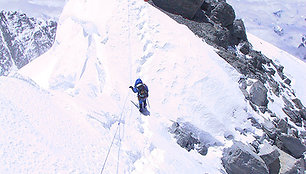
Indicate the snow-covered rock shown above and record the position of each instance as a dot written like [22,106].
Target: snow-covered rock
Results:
[239,158]
[23,39]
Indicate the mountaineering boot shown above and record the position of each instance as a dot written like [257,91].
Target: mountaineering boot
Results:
[141,107]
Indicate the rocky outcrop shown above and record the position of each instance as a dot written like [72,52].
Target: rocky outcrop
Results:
[22,39]
[240,159]
[186,8]
[190,137]
[278,162]
[272,161]
[263,83]
[215,22]
[258,94]
[291,145]
[223,14]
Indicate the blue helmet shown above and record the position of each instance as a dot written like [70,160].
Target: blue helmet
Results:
[138,81]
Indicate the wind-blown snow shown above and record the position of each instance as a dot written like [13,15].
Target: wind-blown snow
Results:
[66,123]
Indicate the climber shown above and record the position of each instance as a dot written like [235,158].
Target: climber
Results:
[142,93]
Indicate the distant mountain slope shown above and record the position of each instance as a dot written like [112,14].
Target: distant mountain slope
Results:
[279,22]
[22,39]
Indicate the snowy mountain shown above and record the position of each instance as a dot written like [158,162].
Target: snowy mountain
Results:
[69,110]
[23,39]
[42,9]
[279,22]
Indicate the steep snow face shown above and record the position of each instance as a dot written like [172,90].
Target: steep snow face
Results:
[42,133]
[279,22]
[96,57]
[76,116]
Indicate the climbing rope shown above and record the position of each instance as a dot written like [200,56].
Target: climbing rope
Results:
[118,129]
[111,145]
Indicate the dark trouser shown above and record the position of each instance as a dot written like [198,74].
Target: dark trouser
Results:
[142,102]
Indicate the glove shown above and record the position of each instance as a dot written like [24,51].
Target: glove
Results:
[131,87]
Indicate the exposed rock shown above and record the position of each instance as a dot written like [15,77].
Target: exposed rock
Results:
[192,138]
[202,150]
[287,102]
[271,71]
[240,159]
[263,109]
[287,81]
[272,161]
[291,145]
[223,14]
[303,114]
[282,126]
[298,103]
[293,114]
[185,8]
[280,69]
[187,141]
[275,86]
[184,139]
[258,94]
[277,160]
[258,60]
[269,128]
[22,39]
[222,37]
[255,123]
[237,31]
[244,47]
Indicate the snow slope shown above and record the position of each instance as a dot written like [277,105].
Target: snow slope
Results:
[279,22]
[70,112]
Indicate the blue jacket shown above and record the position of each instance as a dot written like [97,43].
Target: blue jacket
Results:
[138,81]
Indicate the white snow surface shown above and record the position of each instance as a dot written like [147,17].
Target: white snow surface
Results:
[69,110]
[279,22]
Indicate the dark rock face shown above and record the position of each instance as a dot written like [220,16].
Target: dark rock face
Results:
[23,39]
[244,47]
[186,8]
[294,115]
[223,14]
[240,159]
[272,161]
[282,126]
[258,94]
[298,103]
[291,145]
[237,31]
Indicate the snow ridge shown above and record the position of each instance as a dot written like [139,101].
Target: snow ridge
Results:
[76,104]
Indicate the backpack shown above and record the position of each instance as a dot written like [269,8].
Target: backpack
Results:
[142,91]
